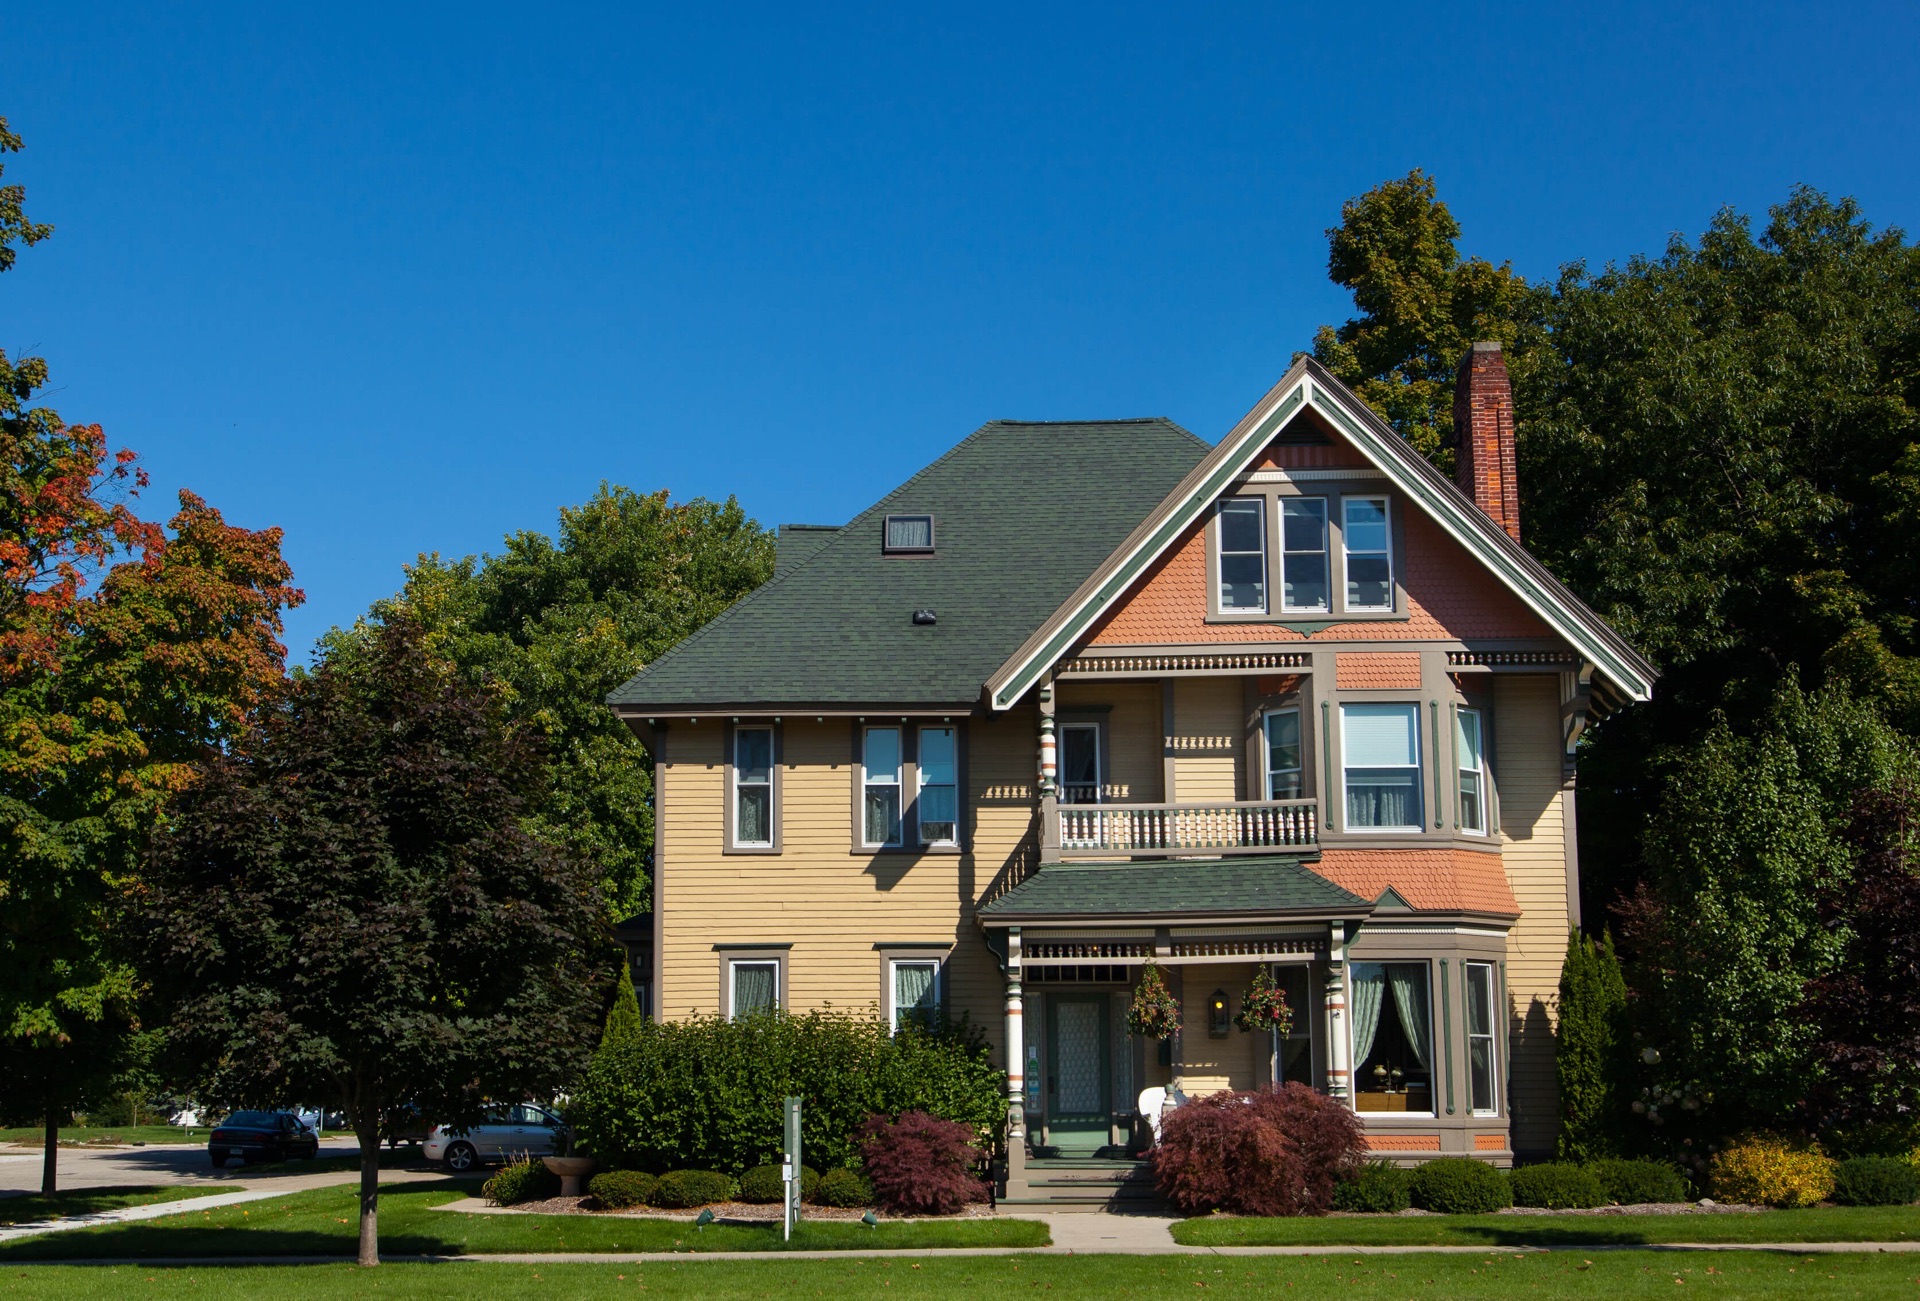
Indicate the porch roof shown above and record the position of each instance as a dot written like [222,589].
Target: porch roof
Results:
[1251,885]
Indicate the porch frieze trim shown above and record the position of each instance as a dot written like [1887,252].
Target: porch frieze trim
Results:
[1389,928]
[1032,934]
[1179,933]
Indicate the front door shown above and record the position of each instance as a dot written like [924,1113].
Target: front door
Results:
[1079,1079]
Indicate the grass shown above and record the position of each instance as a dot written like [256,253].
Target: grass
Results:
[1812,1224]
[106,1135]
[1605,1276]
[323,1221]
[86,1201]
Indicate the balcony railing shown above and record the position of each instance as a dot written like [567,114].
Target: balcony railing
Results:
[1227,827]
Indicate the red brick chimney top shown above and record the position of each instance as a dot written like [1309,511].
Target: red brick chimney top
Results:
[1483,428]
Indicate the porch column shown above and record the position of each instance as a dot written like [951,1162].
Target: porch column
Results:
[1339,1069]
[1049,777]
[1016,1072]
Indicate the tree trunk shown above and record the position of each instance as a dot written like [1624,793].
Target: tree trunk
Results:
[366,1125]
[50,1162]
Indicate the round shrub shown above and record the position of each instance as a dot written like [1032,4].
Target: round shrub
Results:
[843,1187]
[617,1190]
[764,1186]
[1556,1186]
[1459,1185]
[1769,1171]
[1636,1183]
[522,1181]
[1275,1152]
[1379,1187]
[1876,1181]
[685,1189]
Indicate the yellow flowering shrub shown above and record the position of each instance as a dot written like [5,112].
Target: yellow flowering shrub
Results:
[1768,1171]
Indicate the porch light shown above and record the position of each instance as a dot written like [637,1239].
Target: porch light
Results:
[1217,1019]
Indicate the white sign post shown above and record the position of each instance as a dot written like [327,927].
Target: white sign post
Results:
[790,1171]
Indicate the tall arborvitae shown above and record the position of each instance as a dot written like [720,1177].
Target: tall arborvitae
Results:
[1591,1059]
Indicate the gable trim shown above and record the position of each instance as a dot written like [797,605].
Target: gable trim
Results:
[1306,383]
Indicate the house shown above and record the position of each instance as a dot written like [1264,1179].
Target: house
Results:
[1078,696]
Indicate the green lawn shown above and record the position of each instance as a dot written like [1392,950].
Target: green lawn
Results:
[1813,1224]
[1608,1276]
[323,1221]
[106,1135]
[85,1201]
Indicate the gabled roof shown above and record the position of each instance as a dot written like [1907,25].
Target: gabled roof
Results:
[1022,513]
[1307,384]
[1255,884]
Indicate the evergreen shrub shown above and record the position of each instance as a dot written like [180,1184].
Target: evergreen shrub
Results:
[1273,1152]
[1460,1185]
[1556,1186]
[1591,1052]
[1637,1183]
[706,1093]
[844,1188]
[1768,1171]
[918,1164]
[1378,1187]
[685,1189]
[619,1190]
[1876,1181]
[521,1181]
[763,1185]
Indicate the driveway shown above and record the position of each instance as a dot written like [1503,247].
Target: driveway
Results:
[172,1164]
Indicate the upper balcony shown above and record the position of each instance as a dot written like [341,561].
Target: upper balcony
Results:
[1100,830]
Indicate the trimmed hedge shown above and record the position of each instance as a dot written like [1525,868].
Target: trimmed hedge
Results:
[1459,1185]
[1556,1186]
[1876,1181]
[522,1181]
[1767,1171]
[682,1190]
[1379,1188]
[844,1188]
[763,1185]
[1635,1183]
[706,1093]
[619,1190]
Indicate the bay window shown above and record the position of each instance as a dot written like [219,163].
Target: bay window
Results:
[1381,762]
[1243,554]
[1392,1037]
[1470,754]
[1480,1039]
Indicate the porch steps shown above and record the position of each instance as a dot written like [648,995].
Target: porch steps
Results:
[1085,1183]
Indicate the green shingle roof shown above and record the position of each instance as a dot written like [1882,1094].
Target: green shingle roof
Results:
[1211,887]
[1023,512]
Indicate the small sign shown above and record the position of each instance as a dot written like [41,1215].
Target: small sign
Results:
[790,1170]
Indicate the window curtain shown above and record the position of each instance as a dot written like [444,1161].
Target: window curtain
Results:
[753,987]
[913,996]
[1369,986]
[1410,999]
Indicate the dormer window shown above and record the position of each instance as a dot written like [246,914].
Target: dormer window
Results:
[908,535]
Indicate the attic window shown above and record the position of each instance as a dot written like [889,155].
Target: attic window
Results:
[908,535]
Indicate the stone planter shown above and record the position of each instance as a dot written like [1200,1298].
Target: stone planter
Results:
[573,1171]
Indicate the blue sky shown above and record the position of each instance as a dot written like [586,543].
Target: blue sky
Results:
[402,279]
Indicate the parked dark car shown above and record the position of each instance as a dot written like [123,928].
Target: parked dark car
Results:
[262,1136]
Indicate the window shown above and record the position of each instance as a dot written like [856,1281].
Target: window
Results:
[1283,754]
[880,786]
[1369,558]
[1080,763]
[1392,1037]
[908,535]
[1471,757]
[1243,554]
[939,798]
[1480,1023]
[914,992]
[753,986]
[1382,760]
[753,787]
[1303,553]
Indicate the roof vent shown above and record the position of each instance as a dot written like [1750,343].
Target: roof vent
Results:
[923,618]
[908,535]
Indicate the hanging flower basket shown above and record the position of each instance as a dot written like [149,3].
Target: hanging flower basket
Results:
[1154,1012]
[1263,1008]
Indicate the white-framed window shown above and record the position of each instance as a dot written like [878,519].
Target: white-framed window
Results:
[1368,553]
[1482,1066]
[753,787]
[938,800]
[1283,754]
[1380,748]
[880,787]
[1304,585]
[913,991]
[1392,1018]
[1470,754]
[1080,763]
[1243,554]
[753,986]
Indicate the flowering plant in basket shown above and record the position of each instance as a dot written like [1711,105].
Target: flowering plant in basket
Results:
[1154,1012]
[1264,1007]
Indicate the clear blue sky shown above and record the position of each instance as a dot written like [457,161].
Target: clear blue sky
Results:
[402,280]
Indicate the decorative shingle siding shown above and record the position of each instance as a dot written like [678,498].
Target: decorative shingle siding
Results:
[1377,670]
[1446,880]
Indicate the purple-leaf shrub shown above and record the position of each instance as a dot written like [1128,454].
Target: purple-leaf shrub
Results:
[919,1163]
[1272,1152]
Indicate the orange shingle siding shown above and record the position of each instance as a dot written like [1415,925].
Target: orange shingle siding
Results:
[1444,880]
[1401,1142]
[1296,456]
[1449,595]
[1377,670]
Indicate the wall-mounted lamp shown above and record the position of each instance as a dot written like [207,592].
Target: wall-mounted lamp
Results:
[1218,1023]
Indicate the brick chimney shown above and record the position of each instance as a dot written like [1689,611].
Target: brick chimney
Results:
[1483,429]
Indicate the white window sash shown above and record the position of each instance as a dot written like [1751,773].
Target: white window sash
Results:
[740,841]
[1286,556]
[922,786]
[1474,775]
[733,981]
[1348,715]
[1238,505]
[889,780]
[893,987]
[1491,1038]
[1348,553]
[1298,772]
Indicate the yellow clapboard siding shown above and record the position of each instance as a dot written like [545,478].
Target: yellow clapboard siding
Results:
[1209,716]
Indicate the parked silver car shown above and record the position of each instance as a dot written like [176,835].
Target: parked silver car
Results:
[504,1133]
